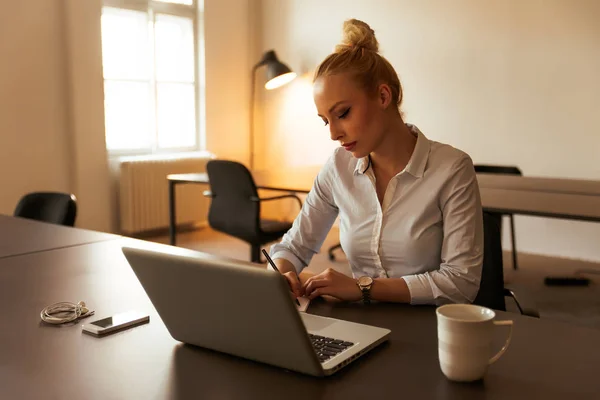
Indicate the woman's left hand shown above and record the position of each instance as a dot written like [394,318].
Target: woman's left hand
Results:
[332,283]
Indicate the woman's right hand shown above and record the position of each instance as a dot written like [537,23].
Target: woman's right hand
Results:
[287,269]
[294,282]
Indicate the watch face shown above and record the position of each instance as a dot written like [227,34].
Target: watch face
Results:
[365,280]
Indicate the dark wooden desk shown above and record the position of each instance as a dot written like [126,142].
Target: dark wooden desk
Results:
[546,360]
[21,236]
[541,197]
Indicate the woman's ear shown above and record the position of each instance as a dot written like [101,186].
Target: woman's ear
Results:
[384,95]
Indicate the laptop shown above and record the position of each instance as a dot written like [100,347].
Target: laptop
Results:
[238,308]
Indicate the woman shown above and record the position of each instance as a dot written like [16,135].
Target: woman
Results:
[410,212]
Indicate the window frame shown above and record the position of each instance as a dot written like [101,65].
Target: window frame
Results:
[195,12]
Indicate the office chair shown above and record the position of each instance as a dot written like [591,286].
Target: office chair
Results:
[506,170]
[491,288]
[235,206]
[53,207]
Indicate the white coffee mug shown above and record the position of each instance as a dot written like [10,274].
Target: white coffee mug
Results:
[465,334]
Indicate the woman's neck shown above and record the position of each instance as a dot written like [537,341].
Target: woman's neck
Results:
[393,153]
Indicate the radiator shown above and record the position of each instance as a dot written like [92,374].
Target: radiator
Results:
[144,193]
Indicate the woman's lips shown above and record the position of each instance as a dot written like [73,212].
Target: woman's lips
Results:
[349,146]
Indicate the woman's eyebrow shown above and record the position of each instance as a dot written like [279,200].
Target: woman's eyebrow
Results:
[334,106]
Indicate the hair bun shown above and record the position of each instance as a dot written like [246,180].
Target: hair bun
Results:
[358,34]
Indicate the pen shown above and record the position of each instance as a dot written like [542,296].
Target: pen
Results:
[275,268]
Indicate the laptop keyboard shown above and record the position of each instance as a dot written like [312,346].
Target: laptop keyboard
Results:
[327,347]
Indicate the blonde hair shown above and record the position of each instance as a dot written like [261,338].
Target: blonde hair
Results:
[358,54]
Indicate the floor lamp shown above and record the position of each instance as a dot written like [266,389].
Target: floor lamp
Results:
[278,74]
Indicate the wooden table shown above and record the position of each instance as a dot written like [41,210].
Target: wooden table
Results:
[573,199]
[505,194]
[22,236]
[547,360]
[537,184]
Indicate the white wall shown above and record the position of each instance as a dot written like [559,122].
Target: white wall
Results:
[508,81]
[51,105]
[228,47]
[34,153]
[85,104]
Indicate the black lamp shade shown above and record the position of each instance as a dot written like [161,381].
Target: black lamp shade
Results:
[276,69]
[277,73]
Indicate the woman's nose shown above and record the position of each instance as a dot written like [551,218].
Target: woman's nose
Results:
[335,132]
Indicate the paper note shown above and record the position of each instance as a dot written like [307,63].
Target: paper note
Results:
[304,302]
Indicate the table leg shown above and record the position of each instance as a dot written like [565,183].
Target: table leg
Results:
[172,221]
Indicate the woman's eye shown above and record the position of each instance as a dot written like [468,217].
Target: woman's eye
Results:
[325,122]
[344,114]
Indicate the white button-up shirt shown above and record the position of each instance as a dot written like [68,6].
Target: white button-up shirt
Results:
[428,229]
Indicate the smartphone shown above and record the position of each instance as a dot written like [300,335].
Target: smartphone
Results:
[116,322]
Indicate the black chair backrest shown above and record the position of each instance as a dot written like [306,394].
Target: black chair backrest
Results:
[232,209]
[491,288]
[497,169]
[52,207]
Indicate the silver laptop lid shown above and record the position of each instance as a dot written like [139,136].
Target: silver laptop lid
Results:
[226,305]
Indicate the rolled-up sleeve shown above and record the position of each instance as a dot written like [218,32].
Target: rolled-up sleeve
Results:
[312,225]
[457,280]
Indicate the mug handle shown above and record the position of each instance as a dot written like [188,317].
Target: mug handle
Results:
[503,349]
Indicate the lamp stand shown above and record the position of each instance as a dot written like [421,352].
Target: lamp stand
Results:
[251,127]
[275,69]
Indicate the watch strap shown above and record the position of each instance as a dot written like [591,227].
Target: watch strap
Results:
[366,293]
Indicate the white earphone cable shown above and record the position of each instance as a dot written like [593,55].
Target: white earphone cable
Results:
[65,312]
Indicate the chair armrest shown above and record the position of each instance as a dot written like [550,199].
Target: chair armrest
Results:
[285,196]
[525,304]
[208,193]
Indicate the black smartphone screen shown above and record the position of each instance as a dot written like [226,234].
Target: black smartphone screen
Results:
[118,319]
[104,323]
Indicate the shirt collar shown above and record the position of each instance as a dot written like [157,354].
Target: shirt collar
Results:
[362,165]
[418,159]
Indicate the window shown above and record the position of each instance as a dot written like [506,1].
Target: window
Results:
[151,59]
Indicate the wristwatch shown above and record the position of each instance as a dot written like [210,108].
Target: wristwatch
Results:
[364,284]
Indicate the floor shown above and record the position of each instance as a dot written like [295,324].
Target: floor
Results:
[577,305]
